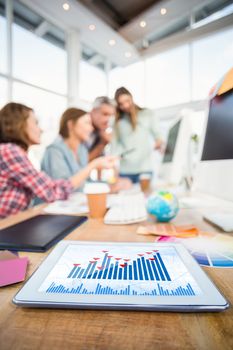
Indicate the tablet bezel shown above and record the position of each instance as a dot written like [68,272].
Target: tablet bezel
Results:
[210,299]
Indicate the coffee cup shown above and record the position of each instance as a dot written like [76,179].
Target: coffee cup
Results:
[145,180]
[97,198]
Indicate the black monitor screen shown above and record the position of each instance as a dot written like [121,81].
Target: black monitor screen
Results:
[219,133]
[171,143]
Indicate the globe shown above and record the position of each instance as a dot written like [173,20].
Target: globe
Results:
[164,205]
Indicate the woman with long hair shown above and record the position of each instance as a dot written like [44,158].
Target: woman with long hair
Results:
[68,154]
[20,182]
[135,136]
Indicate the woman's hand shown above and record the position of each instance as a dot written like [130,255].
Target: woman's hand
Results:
[160,146]
[106,162]
[122,184]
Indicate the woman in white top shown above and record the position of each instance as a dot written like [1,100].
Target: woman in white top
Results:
[136,135]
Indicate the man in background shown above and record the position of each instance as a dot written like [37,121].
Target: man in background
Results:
[103,111]
[102,116]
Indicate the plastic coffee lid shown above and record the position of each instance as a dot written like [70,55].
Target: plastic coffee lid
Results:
[145,176]
[96,187]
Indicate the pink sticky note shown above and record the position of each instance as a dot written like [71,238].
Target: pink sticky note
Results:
[12,271]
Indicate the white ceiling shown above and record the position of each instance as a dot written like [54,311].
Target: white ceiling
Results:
[161,32]
[79,18]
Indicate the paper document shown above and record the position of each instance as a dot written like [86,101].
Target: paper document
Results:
[76,204]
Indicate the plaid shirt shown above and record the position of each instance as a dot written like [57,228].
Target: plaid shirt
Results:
[20,182]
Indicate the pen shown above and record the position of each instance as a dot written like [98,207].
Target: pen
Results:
[126,152]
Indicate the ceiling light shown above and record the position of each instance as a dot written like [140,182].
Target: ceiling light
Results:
[91,27]
[143,24]
[163,11]
[128,54]
[112,42]
[66,6]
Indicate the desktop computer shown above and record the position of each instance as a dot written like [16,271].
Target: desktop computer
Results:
[214,172]
[174,163]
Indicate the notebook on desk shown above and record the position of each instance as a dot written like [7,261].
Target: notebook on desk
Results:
[38,233]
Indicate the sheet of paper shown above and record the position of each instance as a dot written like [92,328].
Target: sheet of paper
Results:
[62,207]
[76,204]
[12,270]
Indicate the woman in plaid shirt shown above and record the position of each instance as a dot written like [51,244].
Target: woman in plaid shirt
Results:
[20,182]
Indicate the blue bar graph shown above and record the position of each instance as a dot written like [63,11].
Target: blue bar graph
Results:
[72,271]
[125,272]
[128,290]
[142,269]
[163,267]
[92,270]
[80,273]
[120,274]
[154,273]
[77,271]
[115,271]
[135,272]
[106,269]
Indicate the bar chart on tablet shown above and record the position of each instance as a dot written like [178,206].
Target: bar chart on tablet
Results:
[158,272]
[142,268]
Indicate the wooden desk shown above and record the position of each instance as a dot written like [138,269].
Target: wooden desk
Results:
[22,328]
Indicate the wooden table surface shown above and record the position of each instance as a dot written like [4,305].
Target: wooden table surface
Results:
[22,328]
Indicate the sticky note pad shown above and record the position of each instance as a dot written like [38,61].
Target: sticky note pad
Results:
[12,270]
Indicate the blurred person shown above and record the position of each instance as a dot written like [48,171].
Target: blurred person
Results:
[102,117]
[20,182]
[136,134]
[68,154]
[103,111]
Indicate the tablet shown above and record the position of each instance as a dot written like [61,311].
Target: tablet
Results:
[39,233]
[104,275]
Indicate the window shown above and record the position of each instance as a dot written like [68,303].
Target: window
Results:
[168,78]
[212,58]
[133,78]
[116,79]
[3,45]
[3,94]
[92,82]
[38,62]
[48,108]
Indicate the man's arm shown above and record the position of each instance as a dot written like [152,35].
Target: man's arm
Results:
[97,151]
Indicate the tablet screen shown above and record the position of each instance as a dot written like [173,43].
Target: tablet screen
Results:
[118,270]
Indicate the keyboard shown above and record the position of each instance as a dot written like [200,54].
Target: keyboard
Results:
[224,221]
[127,209]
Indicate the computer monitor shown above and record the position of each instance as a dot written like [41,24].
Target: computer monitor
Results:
[215,170]
[171,142]
[174,163]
